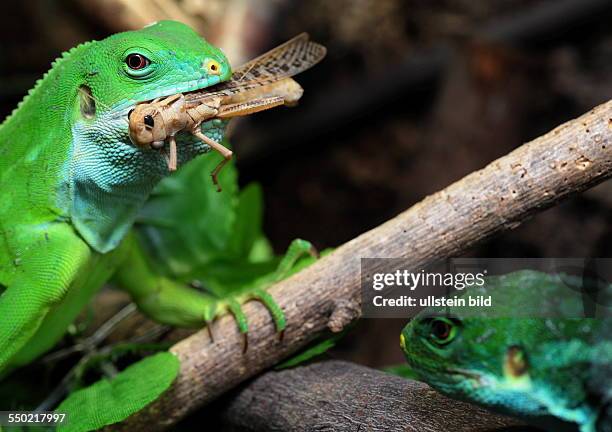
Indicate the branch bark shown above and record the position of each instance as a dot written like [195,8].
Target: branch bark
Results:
[567,160]
[345,397]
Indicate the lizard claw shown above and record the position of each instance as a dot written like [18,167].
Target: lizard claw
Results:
[232,303]
[245,345]
[211,333]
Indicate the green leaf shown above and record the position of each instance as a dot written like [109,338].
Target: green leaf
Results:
[191,232]
[111,401]
[248,226]
[186,222]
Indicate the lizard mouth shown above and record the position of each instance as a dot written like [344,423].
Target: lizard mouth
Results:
[183,87]
[464,373]
[148,121]
[155,125]
[452,374]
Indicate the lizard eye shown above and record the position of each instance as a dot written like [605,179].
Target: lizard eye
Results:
[442,331]
[137,61]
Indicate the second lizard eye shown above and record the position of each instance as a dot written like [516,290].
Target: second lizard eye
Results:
[441,331]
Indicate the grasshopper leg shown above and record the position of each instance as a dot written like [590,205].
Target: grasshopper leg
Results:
[173,157]
[215,173]
[224,151]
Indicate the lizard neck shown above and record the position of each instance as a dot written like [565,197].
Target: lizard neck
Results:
[35,140]
[106,181]
[67,160]
[65,167]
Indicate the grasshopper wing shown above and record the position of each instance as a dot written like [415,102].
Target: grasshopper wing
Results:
[286,60]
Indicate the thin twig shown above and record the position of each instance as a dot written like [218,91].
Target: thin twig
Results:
[95,339]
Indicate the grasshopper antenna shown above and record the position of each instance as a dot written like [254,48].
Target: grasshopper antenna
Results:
[246,72]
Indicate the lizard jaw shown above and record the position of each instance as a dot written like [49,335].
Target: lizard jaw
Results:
[184,87]
[475,377]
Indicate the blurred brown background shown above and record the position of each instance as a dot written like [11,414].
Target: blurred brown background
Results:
[412,96]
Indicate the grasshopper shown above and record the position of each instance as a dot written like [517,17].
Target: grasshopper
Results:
[262,83]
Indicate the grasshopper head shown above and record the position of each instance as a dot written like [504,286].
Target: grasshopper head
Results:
[146,126]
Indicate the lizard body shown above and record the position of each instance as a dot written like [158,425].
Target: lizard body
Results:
[72,184]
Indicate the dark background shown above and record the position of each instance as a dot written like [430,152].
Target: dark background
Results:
[412,96]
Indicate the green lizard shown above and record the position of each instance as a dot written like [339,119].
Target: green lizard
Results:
[72,185]
[529,355]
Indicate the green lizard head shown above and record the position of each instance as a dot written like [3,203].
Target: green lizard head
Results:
[106,178]
[165,58]
[502,357]
[466,358]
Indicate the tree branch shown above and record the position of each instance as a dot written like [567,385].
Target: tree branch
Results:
[339,396]
[570,159]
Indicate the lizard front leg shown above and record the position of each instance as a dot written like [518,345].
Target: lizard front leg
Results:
[45,275]
[161,298]
[171,302]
